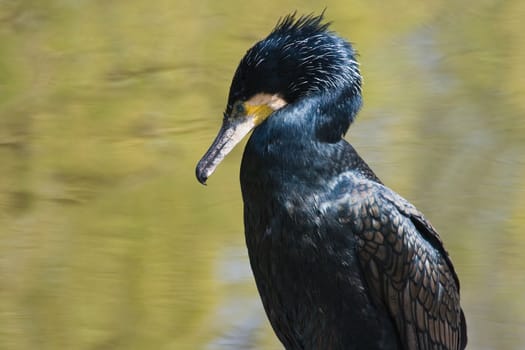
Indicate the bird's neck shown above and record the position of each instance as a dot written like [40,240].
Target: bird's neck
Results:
[303,143]
[336,110]
[287,149]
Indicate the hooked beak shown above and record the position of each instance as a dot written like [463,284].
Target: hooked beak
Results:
[230,134]
[245,117]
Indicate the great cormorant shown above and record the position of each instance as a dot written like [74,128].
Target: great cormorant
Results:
[340,260]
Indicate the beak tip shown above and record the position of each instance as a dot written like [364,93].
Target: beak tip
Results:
[201,176]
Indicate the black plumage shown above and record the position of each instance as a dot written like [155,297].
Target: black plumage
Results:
[340,260]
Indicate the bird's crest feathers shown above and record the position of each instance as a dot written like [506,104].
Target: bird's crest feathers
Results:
[306,25]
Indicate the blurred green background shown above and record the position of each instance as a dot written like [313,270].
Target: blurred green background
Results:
[107,241]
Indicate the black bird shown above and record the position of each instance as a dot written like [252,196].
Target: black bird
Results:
[340,260]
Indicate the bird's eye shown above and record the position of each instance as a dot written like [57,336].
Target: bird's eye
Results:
[238,108]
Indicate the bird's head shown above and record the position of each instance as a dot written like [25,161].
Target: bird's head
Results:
[299,59]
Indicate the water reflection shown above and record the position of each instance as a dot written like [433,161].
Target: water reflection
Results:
[108,241]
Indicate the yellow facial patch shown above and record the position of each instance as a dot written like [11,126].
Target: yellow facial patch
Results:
[259,112]
[260,106]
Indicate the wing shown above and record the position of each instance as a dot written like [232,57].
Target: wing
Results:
[407,269]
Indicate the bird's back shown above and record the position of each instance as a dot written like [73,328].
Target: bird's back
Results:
[306,227]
